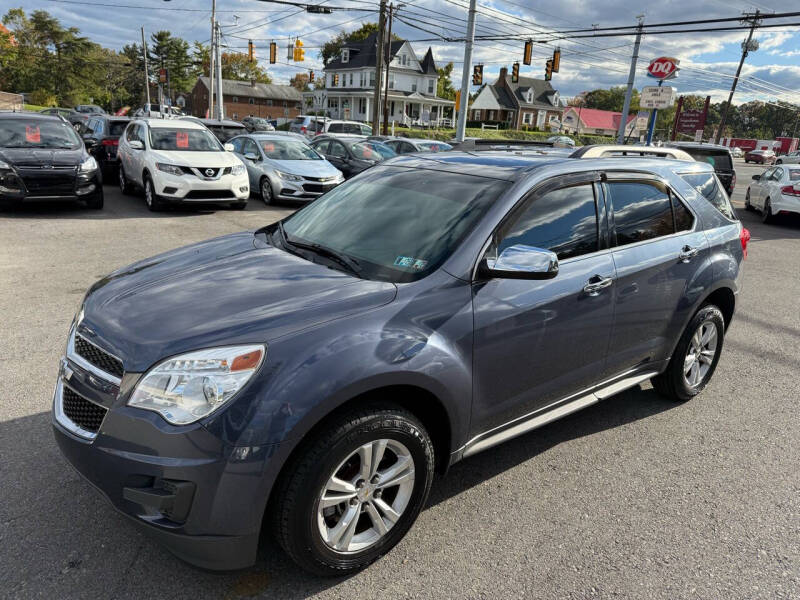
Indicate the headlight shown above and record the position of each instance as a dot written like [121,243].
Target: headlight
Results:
[191,386]
[90,164]
[4,165]
[171,169]
[288,176]
[237,170]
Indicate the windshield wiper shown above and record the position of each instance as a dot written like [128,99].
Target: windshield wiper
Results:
[349,263]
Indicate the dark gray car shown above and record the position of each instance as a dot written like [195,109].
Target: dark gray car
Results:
[313,375]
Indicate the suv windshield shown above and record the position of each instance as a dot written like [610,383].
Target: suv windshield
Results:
[185,140]
[398,224]
[16,133]
[372,151]
[288,150]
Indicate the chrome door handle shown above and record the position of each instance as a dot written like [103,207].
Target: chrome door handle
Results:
[597,283]
[688,253]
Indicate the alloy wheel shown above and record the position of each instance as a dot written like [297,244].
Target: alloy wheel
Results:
[148,193]
[122,182]
[266,191]
[700,354]
[365,496]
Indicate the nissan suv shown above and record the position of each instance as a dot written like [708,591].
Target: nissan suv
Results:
[314,374]
[179,161]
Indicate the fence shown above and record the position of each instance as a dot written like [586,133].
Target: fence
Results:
[10,101]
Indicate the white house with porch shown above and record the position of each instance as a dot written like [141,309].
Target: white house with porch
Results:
[350,80]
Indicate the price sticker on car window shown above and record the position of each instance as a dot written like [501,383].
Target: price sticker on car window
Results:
[182,139]
[32,134]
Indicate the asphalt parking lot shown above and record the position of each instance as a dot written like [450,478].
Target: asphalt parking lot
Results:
[635,497]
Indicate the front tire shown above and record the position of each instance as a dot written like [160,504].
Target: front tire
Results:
[354,490]
[695,358]
[150,197]
[265,191]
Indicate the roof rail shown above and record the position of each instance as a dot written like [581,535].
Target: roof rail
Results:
[618,151]
[484,144]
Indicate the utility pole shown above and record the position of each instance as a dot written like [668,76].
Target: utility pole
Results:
[747,46]
[220,98]
[387,61]
[623,122]
[211,60]
[146,73]
[462,110]
[376,121]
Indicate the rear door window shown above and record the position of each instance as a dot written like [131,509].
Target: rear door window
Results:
[335,128]
[563,221]
[642,211]
[719,159]
[708,187]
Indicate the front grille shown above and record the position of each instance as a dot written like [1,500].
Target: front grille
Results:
[317,187]
[46,182]
[209,195]
[328,178]
[99,358]
[85,414]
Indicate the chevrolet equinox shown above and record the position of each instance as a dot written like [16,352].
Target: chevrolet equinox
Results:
[313,375]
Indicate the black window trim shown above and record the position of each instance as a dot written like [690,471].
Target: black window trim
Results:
[638,177]
[592,178]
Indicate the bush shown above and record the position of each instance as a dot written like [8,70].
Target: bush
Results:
[445,135]
[43,98]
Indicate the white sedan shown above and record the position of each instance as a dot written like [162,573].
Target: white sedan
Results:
[792,157]
[776,191]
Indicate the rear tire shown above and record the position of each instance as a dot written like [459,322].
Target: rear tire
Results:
[747,205]
[328,485]
[695,357]
[124,185]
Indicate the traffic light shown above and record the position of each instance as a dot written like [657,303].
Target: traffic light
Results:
[250,50]
[548,70]
[335,80]
[477,75]
[528,52]
[299,53]
[273,53]
[311,76]
[556,59]
[515,73]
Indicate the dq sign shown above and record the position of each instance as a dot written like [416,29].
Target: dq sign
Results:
[663,67]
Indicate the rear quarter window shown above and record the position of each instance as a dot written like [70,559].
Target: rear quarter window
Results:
[719,159]
[707,186]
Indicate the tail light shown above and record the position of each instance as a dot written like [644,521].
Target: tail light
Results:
[790,190]
[108,142]
[744,237]
[303,129]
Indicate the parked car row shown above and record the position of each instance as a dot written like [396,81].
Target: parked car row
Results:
[775,192]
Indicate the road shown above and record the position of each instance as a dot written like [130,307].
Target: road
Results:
[635,497]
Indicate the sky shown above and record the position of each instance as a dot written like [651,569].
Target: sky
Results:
[708,60]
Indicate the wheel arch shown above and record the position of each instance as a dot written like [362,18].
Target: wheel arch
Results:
[724,299]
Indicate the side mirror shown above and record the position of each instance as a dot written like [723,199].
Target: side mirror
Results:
[251,156]
[136,145]
[756,177]
[521,262]
[228,147]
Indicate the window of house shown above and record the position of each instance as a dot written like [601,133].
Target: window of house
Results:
[476,115]
[527,118]
[642,211]
[491,115]
[362,105]
[235,116]
[414,86]
[391,81]
[252,101]
[563,221]
[372,78]
[345,55]
[362,79]
[430,86]
[351,80]
[269,102]
[235,99]
[285,103]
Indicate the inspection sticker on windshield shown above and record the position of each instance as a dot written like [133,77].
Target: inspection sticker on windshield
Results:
[410,263]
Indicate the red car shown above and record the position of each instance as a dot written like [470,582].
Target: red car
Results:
[763,157]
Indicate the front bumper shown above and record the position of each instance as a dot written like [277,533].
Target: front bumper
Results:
[190,188]
[200,498]
[50,184]
[304,190]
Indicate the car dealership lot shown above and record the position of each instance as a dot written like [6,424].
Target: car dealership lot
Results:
[634,497]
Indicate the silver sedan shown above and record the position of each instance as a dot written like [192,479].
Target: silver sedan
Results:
[285,168]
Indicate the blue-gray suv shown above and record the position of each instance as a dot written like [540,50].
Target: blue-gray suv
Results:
[313,375]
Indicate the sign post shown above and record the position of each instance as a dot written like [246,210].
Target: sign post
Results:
[662,68]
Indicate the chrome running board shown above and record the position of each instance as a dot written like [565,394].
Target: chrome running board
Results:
[550,413]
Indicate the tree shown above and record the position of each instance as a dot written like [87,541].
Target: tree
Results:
[172,53]
[235,65]
[444,86]
[612,99]
[300,81]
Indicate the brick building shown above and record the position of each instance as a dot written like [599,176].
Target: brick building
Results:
[248,98]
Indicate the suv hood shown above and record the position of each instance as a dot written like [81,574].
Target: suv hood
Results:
[196,159]
[58,157]
[229,290]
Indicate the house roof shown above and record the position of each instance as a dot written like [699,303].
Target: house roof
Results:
[428,65]
[363,53]
[233,87]
[601,119]
[543,92]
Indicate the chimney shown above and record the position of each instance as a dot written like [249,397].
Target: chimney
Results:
[503,73]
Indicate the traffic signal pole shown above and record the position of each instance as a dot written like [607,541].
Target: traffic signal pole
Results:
[146,73]
[379,53]
[212,60]
[462,110]
[387,61]
[623,121]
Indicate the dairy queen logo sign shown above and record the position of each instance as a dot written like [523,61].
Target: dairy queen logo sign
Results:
[663,67]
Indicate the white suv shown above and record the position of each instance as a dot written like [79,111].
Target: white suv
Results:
[177,161]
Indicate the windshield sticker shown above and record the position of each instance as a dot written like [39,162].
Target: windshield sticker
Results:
[182,139]
[32,134]
[410,262]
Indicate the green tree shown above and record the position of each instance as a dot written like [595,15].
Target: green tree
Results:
[235,65]
[444,86]
[172,53]
[611,99]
